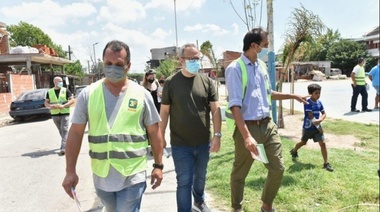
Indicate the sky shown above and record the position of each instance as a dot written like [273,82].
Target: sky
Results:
[87,25]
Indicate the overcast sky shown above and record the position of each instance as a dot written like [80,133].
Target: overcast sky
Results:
[150,24]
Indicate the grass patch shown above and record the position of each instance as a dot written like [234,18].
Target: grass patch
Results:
[353,186]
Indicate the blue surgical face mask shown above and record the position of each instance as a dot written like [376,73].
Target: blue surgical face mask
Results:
[114,73]
[263,55]
[193,66]
[60,84]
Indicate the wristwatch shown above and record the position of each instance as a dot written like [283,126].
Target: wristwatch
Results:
[218,134]
[158,166]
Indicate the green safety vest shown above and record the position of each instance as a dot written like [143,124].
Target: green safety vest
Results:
[60,100]
[124,146]
[360,77]
[229,117]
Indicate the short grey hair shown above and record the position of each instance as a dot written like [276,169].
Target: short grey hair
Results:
[181,53]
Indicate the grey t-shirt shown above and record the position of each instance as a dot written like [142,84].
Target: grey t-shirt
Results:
[116,181]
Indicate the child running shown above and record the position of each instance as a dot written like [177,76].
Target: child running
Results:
[312,128]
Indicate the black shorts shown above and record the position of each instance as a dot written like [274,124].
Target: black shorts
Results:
[312,134]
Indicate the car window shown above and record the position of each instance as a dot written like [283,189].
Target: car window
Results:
[32,95]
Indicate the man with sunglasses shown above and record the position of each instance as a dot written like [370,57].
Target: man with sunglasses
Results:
[187,98]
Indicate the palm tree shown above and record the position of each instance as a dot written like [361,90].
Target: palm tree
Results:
[206,49]
[304,27]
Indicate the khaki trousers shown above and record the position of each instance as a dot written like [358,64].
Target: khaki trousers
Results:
[263,134]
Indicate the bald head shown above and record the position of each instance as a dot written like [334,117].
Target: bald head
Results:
[56,81]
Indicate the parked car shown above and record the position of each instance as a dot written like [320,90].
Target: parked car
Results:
[335,72]
[78,89]
[29,103]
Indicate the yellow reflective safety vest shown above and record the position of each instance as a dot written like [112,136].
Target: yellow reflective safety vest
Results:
[230,122]
[61,99]
[124,146]
[360,77]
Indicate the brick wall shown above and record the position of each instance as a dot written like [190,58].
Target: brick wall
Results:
[4,45]
[5,102]
[228,57]
[21,83]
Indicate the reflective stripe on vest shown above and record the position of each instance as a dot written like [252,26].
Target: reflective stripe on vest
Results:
[360,77]
[124,146]
[230,122]
[60,100]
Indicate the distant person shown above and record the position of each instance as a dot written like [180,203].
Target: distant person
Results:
[312,128]
[58,100]
[188,98]
[374,76]
[151,84]
[251,109]
[119,112]
[159,90]
[359,87]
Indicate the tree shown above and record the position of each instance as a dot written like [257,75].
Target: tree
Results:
[25,34]
[74,69]
[250,17]
[344,54]
[304,27]
[167,68]
[206,49]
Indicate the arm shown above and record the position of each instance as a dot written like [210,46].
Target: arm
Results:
[217,124]
[156,143]
[250,142]
[353,77]
[73,145]
[70,102]
[164,113]
[281,96]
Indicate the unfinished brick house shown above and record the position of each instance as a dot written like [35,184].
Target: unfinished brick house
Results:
[22,71]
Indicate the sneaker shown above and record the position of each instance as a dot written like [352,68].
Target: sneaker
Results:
[200,207]
[272,210]
[328,167]
[294,154]
[62,152]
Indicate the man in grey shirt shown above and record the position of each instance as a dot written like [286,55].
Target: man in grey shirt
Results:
[119,112]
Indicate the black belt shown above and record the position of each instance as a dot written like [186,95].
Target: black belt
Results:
[258,122]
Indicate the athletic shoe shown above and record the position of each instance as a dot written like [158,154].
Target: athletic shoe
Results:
[294,154]
[328,167]
[200,207]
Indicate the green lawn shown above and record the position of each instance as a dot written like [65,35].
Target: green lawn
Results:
[353,186]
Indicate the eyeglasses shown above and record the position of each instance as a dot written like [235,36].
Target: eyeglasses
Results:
[192,59]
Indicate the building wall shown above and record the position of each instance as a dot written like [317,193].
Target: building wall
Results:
[5,102]
[4,45]
[228,57]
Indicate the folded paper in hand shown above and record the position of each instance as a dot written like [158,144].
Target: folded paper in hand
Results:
[262,155]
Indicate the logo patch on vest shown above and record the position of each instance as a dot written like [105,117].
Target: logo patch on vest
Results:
[132,104]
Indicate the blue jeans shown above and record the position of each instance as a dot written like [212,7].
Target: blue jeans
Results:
[126,200]
[191,169]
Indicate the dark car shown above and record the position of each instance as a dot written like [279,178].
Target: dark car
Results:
[30,103]
[78,89]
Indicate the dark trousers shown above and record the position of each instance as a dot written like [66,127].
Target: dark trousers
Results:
[359,89]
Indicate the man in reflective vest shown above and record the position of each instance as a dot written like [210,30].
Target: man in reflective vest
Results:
[59,99]
[120,113]
[251,112]
[359,87]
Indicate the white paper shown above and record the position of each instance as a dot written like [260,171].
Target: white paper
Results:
[262,155]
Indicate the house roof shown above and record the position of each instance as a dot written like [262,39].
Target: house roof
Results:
[20,59]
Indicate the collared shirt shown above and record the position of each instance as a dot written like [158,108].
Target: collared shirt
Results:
[255,105]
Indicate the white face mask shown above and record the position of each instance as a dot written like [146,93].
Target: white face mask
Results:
[60,84]
[114,73]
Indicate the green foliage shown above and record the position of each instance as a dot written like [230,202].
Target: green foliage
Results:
[167,68]
[353,186]
[25,34]
[74,69]
[344,54]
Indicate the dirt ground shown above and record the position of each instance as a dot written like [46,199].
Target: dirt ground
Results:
[293,131]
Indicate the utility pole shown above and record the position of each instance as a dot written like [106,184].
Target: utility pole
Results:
[69,52]
[175,20]
[271,56]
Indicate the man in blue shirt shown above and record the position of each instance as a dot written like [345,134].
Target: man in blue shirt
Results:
[251,111]
[374,76]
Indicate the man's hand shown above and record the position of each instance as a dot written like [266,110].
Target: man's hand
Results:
[301,99]
[215,144]
[250,144]
[71,180]
[156,178]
